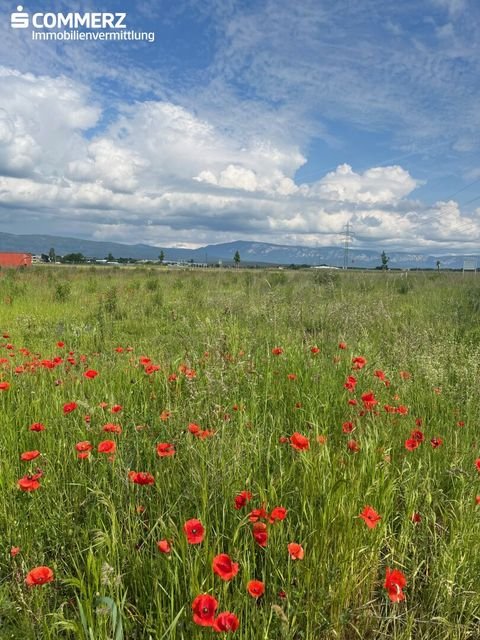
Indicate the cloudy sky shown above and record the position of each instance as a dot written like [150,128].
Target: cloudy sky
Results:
[268,120]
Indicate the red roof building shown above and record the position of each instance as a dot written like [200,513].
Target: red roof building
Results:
[15,260]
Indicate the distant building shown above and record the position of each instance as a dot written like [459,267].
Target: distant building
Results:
[15,260]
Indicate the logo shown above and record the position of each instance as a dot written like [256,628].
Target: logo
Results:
[19,19]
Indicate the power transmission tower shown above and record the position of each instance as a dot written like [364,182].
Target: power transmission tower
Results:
[348,240]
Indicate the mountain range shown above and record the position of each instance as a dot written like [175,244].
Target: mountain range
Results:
[250,253]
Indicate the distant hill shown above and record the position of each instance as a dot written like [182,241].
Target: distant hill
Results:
[250,252]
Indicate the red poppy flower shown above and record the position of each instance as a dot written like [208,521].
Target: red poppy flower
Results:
[29,455]
[14,551]
[436,442]
[256,588]
[165,449]
[278,514]
[194,531]
[83,446]
[226,622]
[411,444]
[314,350]
[395,581]
[260,533]
[277,351]
[477,464]
[141,477]
[350,383]
[257,514]
[370,517]
[223,566]
[193,428]
[292,376]
[241,499]
[321,439]
[352,445]
[296,551]
[164,546]
[28,483]
[204,607]
[116,408]
[69,407]
[416,517]
[299,442]
[347,427]
[106,446]
[38,576]
[369,401]
[91,373]
[342,345]
[417,435]
[359,362]
[4,386]
[112,428]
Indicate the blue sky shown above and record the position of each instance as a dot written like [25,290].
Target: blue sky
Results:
[264,120]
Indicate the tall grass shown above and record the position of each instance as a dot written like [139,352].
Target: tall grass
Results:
[98,531]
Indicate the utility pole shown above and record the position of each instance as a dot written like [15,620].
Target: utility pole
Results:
[348,239]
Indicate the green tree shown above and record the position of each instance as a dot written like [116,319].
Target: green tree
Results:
[110,258]
[236,258]
[385,260]
[161,257]
[52,256]
[74,258]
[438,266]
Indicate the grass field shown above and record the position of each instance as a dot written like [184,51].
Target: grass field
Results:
[241,377]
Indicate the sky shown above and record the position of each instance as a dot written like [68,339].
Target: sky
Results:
[265,120]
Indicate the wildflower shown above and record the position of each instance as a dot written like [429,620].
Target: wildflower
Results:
[359,362]
[14,551]
[411,444]
[277,351]
[38,576]
[225,622]
[296,551]
[477,464]
[257,514]
[436,442]
[28,483]
[314,351]
[347,427]
[29,455]
[370,517]
[241,499]
[299,442]
[141,477]
[278,514]
[260,533]
[112,428]
[91,373]
[204,607]
[369,401]
[116,408]
[194,531]
[69,407]
[165,449]
[350,383]
[352,445]
[223,566]
[37,426]
[164,546]
[256,588]
[342,345]
[416,517]
[106,446]
[4,386]
[395,581]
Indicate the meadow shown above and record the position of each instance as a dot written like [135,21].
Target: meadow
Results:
[267,455]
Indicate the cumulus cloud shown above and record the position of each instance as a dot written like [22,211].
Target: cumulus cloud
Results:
[160,173]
